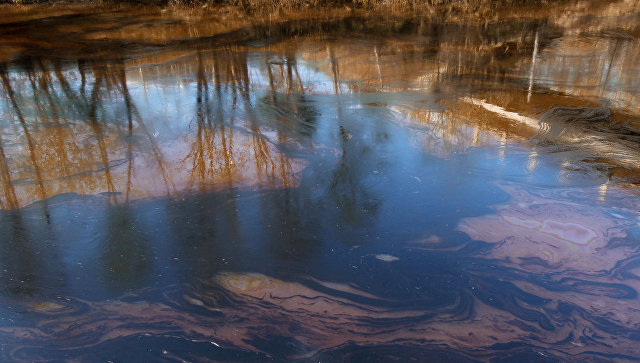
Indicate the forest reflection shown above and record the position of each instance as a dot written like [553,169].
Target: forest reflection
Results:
[240,115]
[80,130]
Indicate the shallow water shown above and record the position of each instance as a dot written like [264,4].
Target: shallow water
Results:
[320,185]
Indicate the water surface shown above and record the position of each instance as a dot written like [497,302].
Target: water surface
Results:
[320,185]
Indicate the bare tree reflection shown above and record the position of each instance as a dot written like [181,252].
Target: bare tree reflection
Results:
[30,143]
[10,199]
[132,113]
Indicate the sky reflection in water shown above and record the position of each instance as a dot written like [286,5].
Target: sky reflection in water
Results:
[436,190]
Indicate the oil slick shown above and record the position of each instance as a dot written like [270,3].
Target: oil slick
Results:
[303,323]
[567,235]
[572,232]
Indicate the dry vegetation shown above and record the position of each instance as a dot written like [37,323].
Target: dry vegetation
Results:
[454,5]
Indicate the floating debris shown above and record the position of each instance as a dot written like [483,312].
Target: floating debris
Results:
[386,258]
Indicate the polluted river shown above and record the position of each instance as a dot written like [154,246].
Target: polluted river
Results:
[320,185]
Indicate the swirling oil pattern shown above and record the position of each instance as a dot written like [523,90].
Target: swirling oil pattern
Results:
[324,186]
